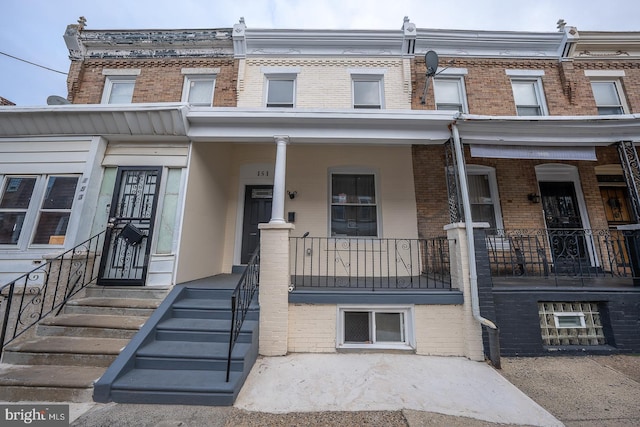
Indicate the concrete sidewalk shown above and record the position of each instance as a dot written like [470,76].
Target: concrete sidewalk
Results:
[350,389]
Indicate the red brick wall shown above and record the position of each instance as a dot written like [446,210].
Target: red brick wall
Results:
[159,80]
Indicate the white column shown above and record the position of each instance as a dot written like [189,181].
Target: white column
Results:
[277,209]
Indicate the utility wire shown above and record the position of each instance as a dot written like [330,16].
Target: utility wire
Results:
[32,63]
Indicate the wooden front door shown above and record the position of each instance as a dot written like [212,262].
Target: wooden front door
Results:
[127,244]
[257,209]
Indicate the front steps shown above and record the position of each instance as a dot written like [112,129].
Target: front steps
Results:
[180,355]
[63,355]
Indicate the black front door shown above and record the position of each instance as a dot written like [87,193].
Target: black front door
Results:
[257,209]
[127,243]
[564,224]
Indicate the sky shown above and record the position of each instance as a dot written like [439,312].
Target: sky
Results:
[32,30]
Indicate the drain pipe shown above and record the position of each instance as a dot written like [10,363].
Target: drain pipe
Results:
[492,329]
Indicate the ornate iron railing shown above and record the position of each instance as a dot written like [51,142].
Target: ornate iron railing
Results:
[554,253]
[370,263]
[47,288]
[241,300]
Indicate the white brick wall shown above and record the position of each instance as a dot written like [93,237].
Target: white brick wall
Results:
[326,82]
[312,328]
[439,330]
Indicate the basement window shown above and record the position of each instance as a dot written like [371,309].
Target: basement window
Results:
[383,327]
[570,323]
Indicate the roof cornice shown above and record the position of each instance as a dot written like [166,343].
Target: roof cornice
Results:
[606,45]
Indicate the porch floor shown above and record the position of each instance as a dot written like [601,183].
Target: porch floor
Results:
[372,284]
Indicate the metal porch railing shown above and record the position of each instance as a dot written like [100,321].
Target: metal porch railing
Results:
[241,300]
[46,289]
[560,253]
[370,263]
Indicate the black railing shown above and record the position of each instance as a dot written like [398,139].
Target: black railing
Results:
[45,289]
[560,253]
[241,300]
[369,263]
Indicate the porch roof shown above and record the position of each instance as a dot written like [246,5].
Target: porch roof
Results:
[320,126]
[559,131]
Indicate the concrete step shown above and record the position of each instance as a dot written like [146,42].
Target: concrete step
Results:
[89,325]
[47,383]
[126,292]
[186,350]
[67,351]
[112,306]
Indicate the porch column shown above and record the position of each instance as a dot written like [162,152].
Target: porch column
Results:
[631,168]
[277,209]
[274,289]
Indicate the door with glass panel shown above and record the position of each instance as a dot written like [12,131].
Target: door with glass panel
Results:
[127,245]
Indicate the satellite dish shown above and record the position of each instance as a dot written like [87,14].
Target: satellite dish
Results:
[431,59]
[57,100]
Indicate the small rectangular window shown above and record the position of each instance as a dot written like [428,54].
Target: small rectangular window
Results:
[569,320]
[14,203]
[375,327]
[198,90]
[367,91]
[528,97]
[118,90]
[607,97]
[353,205]
[55,210]
[449,94]
[280,92]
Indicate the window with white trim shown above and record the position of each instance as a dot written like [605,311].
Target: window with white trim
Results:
[483,195]
[354,210]
[118,90]
[375,327]
[608,97]
[528,96]
[198,90]
[450,94]
[36,209]
[367,91]
[281,91]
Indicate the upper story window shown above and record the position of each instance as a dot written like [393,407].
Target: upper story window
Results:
[199,85]
[354,210]
[527,92]
[367,88]
[119,85]
[36,209]
[449,91]
[607,91]
[280,86]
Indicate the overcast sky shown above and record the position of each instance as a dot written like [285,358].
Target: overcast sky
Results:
[33,29]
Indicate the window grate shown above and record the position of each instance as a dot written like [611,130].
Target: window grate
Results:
[556,333]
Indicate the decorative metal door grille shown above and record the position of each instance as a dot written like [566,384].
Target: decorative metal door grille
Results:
[130,228]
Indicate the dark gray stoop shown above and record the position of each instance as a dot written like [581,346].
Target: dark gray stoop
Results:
[180,355]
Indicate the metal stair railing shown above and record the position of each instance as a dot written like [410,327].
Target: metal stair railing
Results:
[241,300]
[47,288]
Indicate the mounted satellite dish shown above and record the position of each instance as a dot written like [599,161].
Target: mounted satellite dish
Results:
[57,100]
[431,60]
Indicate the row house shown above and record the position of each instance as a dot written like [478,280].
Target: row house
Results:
[382,201]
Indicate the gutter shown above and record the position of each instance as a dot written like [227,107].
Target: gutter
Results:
[494,344]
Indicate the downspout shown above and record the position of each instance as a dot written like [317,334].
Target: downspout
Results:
[494,345]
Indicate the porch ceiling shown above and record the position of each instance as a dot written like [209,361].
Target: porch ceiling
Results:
[320,126]
[114,122]
[549,130]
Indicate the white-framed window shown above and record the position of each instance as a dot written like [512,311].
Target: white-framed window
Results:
[450,93]
[35,209]
[384,327]
[609,97]
[353,206]
[119,85]
[281,91]
[483,195]
[528,93]
[367,90]
[198,90]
